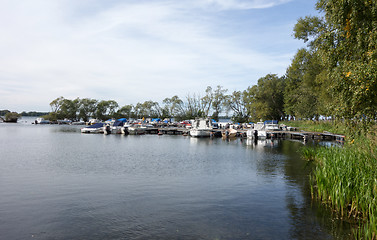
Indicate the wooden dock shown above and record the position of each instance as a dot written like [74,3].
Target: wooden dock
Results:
[305,136]
[300,135]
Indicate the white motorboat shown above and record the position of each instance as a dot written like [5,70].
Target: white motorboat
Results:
[93,121]
[201,128]
[259,130]
[272,125]
[64,121]
[41,121]
[136,129]
[95,128]
[114,127]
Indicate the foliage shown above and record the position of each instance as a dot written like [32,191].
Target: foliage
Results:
[194,107]
[3,112]
[345,178]
[105,109]
[11,117]
[214,100]
[87,108]
[337,127]
[52,116]
[346,41]
[147,109]
[308,153]
[125,111]
[302,90]
[33,114]
[267,98]
[237,103]
[173,107]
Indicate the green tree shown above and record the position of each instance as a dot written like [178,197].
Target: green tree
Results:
[173,107]
[11,117]
[106,109]
[3,112]
[69,109]
[148,109]
[346,40]
[194,107]
[268,98]
[302,90]
[56,104]
[213,100]
[87,108]
[237,104]
[218,102]
[125,111]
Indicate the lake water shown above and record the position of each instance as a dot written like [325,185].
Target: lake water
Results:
[57,183]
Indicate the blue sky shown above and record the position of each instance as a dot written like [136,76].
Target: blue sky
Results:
[136,50]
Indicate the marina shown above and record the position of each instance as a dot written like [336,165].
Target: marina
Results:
[68,185]
[204,128]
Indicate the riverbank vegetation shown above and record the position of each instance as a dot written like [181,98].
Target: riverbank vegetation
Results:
[346,179]
[342,58]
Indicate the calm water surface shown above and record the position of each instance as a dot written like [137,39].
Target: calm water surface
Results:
[57,183]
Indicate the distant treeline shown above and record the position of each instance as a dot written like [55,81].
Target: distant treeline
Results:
[25,114]
[33,114]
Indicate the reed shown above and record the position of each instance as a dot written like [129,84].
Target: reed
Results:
[346,178]
[308,153]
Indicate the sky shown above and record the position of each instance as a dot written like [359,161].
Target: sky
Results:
[132,51]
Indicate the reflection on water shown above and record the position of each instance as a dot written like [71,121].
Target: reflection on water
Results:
[57,183]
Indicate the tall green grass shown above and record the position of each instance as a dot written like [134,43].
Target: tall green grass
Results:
[346,179]
[318,126]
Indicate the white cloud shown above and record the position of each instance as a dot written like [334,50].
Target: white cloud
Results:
[130,51]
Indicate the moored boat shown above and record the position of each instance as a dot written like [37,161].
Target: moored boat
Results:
[229,133]
[201,128]
[136,129]
[259,131]
[95,128]
[114,128]
[41,121]
[272,125]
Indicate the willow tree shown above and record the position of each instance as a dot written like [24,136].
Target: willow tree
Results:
[214,100]
[237,103]
[173,107]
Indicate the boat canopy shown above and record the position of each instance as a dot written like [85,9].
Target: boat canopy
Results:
[156,119]
[118,123]
[122,119]
[96,125]
[271,122]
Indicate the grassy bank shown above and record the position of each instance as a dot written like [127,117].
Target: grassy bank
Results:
[346,177]
[318,126]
